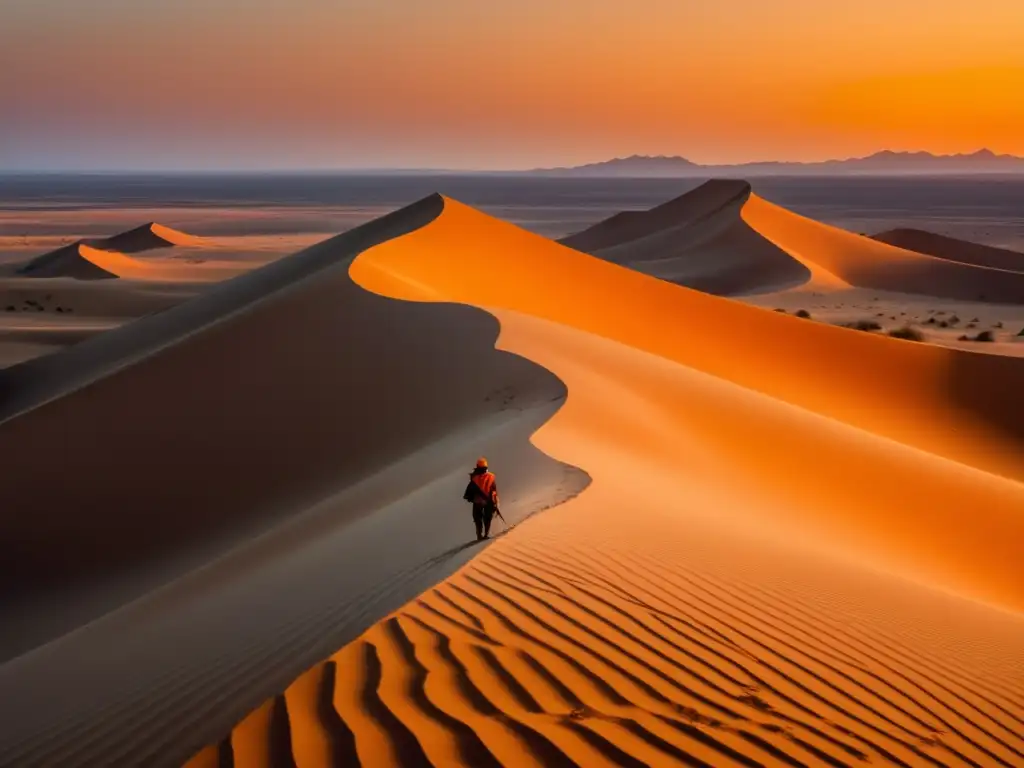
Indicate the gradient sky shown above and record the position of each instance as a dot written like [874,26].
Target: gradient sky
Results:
[184,84]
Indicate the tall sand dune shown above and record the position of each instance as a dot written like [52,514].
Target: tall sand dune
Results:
[699,240]
[952,249]
[285,453]
[722,239]
[802,545]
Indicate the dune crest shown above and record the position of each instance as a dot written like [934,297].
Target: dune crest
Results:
[700,240]
[864,262]
[318,463]
[787,558]
[105,258]
[723,239]
[148,237]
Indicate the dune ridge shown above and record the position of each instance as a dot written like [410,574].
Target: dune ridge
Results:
[752,577]
[337,423]
[723,239]
[700,240]
[148,237]
[105,258]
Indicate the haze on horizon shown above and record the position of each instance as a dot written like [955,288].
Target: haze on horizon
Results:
[275,84]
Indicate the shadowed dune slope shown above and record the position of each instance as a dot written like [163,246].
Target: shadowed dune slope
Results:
[759,574]
[256,399]
[952,249]
[148,237]
[104,258]
[77,260]
[700,241]
[700,203]
[276,464]
[722,239]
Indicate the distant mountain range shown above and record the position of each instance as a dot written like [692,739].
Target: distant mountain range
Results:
[880,163]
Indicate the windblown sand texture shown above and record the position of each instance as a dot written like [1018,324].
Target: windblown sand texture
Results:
[800,545]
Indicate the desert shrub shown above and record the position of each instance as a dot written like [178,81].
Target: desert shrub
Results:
[944,324]
[803,313]
[954,320]
[863,325]
[931,321]
[984,336]
[965,337]
[998,325]
[972,325]
[907,333]
[780,309]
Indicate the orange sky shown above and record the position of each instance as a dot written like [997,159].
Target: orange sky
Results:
[502,83]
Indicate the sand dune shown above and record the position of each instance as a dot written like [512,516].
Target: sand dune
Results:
[722,239]
[148,237]
[104,258]
[800,546]
[868,263]
[289,390]
[79,261]
[699,240]
[952,249]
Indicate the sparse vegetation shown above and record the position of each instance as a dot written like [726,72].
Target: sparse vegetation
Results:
[954,320]
[863,325]
[944,324]
[803,313]
[907,333]
[972,325]
[931,321]
[984,336]
[780,309]
[997,325]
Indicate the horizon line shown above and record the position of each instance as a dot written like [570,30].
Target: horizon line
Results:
[353,170]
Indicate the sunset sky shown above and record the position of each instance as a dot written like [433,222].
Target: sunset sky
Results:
[183,84]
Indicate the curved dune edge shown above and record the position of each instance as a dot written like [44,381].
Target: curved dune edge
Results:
[726,592]
[105,258]
[868,263]
[332,425]
[723,239]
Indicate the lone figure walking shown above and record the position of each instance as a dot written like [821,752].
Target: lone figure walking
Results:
[482,491]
